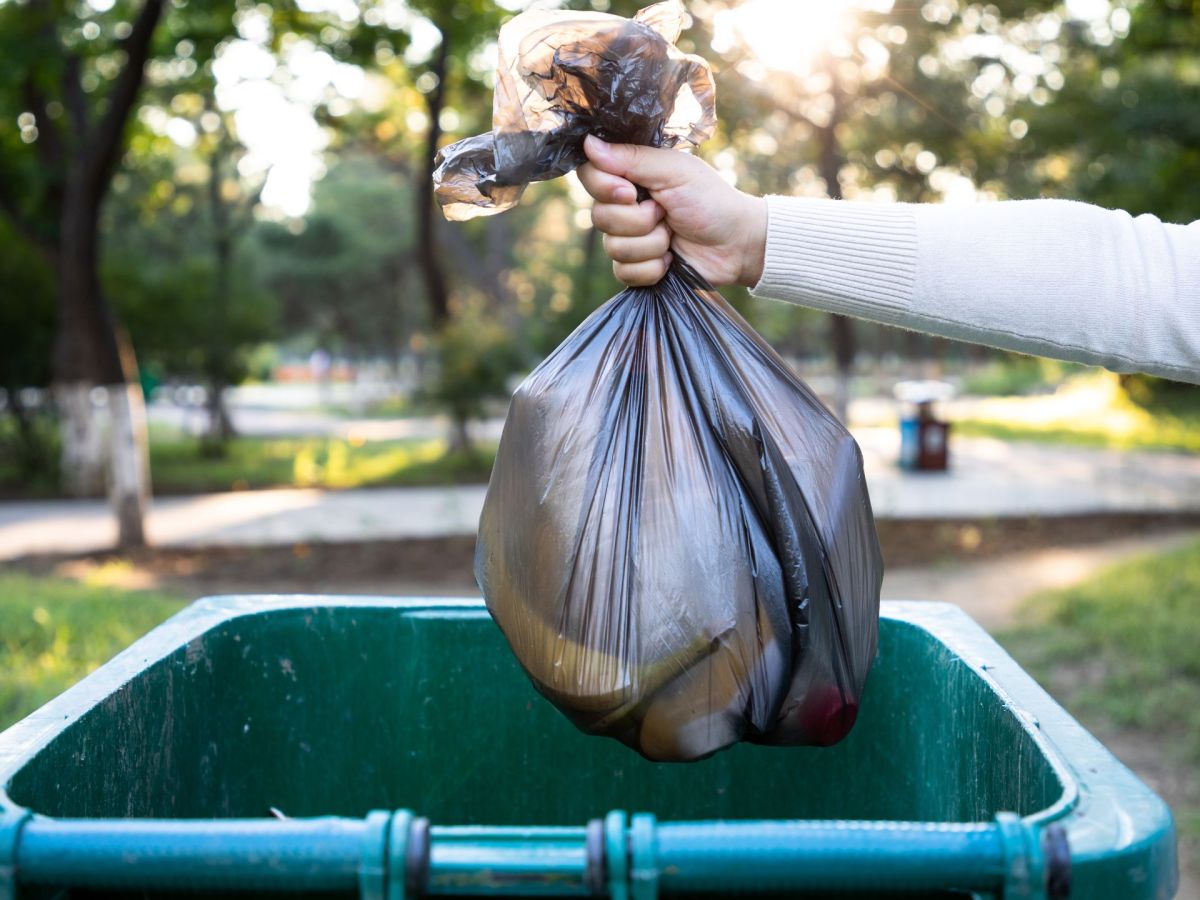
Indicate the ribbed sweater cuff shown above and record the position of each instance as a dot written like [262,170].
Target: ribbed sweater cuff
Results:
[855,258]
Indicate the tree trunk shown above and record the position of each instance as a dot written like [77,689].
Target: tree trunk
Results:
[460,435]
[220,429]
[83,431]
[85,350]
[77,160]
[841,329]
[436,291]
[87,356]
[130,479]
[841,332]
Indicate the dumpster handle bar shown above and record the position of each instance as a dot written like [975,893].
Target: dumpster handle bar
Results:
[390,856]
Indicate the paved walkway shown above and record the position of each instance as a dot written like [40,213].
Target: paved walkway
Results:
[989,479]
[993,591]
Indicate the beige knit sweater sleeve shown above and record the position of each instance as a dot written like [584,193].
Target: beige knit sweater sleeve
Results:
[1049,277]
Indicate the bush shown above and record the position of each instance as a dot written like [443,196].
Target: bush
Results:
[1160,394]
[1015,374]
[29,452]
[476,356]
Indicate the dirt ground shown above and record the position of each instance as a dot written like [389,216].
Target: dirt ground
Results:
[443,566]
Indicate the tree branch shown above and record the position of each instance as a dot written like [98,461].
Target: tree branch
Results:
[111,129]
[45,19]
[74,100]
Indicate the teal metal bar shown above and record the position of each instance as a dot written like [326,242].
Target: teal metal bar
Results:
[642,859]
[616,854]
[525,861]
[248,854]
[735,857]
[12,822]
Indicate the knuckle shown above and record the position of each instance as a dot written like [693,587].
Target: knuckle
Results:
[622,251]
[588,178]
[602,217]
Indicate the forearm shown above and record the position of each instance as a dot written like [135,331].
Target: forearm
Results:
[1049,277]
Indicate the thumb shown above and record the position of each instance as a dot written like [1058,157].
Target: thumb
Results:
[650,167]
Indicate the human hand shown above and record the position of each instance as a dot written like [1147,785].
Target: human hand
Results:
[692,211]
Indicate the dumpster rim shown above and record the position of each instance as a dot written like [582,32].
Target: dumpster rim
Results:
[19,743]
[1110,792]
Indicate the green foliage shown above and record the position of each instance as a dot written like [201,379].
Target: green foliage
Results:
[1014,374]
[28,443]
[476,357]
[345,275]
[29,452]
[168,306]
[921,94]
[53,632]
[179,467]
[1116,422]
[1124,132]
[1162,395]
[1122,645]
[1177,435]
[26,313]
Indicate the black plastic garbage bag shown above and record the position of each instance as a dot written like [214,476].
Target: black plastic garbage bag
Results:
[677,539]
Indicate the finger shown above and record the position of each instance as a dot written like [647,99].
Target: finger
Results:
[637,249]
[627,221]
[653,168]
[641,274]
[605,187]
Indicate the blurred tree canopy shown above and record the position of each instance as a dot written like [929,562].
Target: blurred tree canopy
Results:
[1124,130]
[132,165]
[344,277]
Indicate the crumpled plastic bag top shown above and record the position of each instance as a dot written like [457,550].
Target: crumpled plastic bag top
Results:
[677,539]
[563,75]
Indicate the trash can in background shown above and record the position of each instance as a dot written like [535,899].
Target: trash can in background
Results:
[924,438]
[392,748]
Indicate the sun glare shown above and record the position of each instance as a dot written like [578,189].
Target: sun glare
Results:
[789,35]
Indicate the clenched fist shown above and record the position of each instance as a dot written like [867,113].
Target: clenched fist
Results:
[692,211]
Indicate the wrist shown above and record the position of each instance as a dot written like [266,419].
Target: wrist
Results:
[754,241]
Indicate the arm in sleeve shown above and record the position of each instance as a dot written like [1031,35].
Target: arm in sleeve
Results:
[1048,277]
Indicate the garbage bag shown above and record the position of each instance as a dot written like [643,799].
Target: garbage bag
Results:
[677,539]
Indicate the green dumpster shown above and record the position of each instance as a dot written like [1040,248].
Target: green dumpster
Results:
[391,748]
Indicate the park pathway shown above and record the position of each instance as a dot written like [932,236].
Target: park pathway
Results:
[993,592]
[989,479]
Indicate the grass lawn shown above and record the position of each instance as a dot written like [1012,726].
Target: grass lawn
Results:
[177,466]
[1091,410]
[54,631]
[1122,650]
[1159,433]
